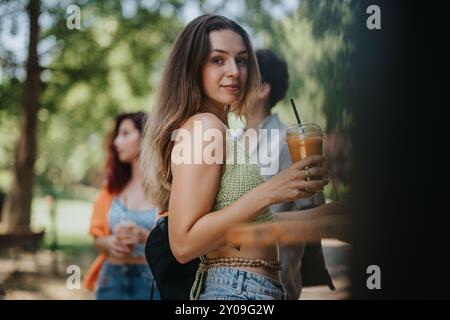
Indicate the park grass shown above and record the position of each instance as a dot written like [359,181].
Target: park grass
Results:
[72,222]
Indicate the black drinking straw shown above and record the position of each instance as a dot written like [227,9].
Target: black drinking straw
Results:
[294,107]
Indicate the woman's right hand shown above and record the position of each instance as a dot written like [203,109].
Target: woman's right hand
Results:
[292,183]
[116,248]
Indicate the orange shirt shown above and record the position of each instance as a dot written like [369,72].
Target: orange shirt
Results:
[99,228]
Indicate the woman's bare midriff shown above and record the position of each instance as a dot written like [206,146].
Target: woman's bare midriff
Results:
[129,260]
[263,253]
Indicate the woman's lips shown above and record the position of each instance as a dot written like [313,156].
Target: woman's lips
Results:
[234,88]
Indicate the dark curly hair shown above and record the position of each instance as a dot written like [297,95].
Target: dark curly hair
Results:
[273,71]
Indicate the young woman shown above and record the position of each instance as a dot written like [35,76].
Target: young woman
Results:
[122,219]
[212,71]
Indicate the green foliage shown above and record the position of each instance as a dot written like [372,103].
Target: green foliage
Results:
[314,41]
[11,93]
[90,75]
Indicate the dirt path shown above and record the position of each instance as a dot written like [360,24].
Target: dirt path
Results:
[39,277]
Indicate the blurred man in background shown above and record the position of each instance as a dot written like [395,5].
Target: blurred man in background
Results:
[302,265]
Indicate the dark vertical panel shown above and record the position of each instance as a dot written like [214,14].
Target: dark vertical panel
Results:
[398,224]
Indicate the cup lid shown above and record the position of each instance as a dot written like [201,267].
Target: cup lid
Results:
[306,129]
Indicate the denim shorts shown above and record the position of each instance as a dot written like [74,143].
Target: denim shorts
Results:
[126,282]
[225,283]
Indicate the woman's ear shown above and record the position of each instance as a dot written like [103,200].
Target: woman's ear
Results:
[264,91]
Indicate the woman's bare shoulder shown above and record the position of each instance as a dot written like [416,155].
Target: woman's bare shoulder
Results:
[204,120]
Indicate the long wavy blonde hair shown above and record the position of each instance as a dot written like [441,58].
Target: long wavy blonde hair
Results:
[180,96]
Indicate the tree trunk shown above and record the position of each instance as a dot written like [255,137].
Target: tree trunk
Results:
[17,209]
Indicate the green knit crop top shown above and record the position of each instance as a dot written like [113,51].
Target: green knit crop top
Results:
[240,177]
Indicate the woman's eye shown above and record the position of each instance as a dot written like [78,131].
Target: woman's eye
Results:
[241,61]
[217,60]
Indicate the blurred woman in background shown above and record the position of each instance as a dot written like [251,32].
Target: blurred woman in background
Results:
[122,219]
